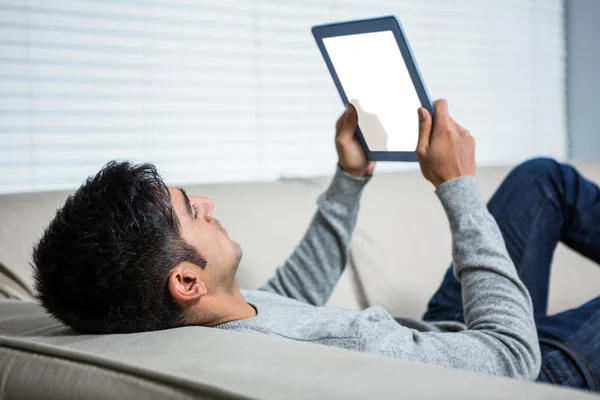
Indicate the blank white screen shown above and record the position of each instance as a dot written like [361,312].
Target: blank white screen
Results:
[376,81]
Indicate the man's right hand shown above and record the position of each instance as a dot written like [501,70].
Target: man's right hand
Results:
[445,150]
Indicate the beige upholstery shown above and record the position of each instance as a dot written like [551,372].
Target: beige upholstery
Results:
[40,359]
[12,287]
[399,253]
[24,217]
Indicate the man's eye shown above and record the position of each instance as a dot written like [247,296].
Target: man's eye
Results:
[196,210]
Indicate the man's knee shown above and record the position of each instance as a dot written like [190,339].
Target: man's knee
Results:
[538,170]
[538,174]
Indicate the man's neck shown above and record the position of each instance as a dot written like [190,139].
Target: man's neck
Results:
[229,307]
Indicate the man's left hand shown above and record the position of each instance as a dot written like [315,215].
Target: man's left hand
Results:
[351,156]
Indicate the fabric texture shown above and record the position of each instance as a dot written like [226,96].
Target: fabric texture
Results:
[12,286]
[498,337]
[42,359]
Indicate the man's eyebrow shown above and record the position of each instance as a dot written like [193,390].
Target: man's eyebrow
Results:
[188,205]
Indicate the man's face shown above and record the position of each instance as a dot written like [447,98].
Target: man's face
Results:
[204,232]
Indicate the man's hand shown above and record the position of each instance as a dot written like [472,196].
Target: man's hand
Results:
[351,156]
[445,150]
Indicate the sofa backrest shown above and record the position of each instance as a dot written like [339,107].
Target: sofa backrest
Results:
[399,252]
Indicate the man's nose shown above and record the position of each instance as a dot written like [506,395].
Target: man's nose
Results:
[207,207]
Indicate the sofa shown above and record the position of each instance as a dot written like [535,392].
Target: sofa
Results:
[399,252]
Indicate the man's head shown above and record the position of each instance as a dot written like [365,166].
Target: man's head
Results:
[127,254]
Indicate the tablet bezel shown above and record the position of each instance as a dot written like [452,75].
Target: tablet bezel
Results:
[385,23]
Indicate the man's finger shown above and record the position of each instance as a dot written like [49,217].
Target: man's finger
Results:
[347,123]
[424,131]
[441,111]
[339,123]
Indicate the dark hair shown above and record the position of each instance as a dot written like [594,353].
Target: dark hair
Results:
[102,264]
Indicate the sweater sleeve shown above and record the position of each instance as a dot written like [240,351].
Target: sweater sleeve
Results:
[501,337]
[310,273]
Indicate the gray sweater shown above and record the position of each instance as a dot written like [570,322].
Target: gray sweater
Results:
[499,337]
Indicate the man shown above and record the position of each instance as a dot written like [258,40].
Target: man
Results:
[128,254]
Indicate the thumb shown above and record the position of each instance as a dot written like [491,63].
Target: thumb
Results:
[348,123]
[424,130]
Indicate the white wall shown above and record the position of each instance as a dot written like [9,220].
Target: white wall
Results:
[236,90]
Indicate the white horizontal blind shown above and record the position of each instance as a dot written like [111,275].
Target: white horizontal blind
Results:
[236,90]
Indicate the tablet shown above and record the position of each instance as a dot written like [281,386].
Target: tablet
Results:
[373,68]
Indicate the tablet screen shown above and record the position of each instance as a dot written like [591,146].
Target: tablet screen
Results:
[376,81]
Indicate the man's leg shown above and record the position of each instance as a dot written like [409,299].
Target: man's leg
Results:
[538,204]
[570,343]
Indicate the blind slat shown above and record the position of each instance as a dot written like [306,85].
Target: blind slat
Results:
[237,90]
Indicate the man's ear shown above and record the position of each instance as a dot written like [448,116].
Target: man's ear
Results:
[185,284]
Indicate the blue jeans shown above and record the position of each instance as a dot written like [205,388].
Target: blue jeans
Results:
[540,203]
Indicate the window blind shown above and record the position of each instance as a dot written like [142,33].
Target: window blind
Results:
[236,90]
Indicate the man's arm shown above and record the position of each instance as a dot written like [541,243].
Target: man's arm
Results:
[313,269]
[501,338]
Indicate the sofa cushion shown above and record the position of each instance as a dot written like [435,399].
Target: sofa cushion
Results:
[44,360]
[402,244]
[24,217]
[12,287]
